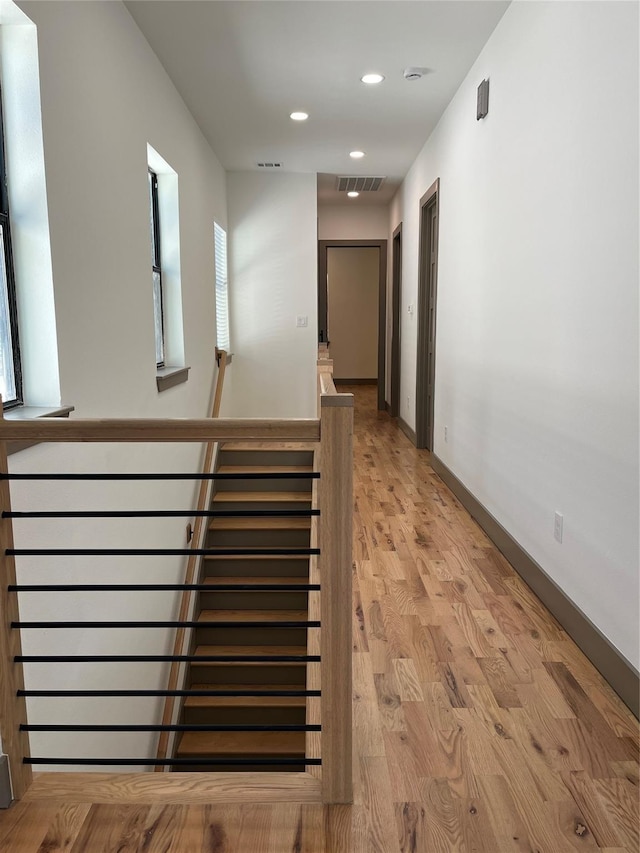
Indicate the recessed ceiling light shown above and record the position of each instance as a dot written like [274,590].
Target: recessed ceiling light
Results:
[372,79]
[356,154]
[299,116]
[353,194]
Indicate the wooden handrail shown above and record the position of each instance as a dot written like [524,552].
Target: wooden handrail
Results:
[221,358]
[326,383]
[325,373]
[154,430]
[193,563]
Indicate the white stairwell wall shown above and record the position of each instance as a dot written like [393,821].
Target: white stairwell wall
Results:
[272,256]
[105,96]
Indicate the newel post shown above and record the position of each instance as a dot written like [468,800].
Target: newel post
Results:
[335,564]
[15,744]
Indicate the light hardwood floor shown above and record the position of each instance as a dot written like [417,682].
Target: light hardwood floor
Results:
[479,727]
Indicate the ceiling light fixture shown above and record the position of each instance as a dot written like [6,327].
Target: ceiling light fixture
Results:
[372,79]
[357,155]
[353,194]
[299,116]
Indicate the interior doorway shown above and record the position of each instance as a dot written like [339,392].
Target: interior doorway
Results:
[396,301]
[427,301]
[352,312]
[377,306]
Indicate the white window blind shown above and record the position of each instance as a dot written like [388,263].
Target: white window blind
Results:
[222,301]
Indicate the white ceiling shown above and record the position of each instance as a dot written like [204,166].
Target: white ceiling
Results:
[242,66]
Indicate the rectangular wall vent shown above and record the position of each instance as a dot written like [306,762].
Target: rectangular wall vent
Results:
[268,164]
[346,184]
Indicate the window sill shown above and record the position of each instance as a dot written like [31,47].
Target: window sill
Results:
[24,413]
[167,377]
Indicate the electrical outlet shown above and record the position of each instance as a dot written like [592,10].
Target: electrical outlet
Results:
[301,322]
[408,401]
[557,526]
[446,433]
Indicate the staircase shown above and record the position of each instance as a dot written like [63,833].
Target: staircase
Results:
[252,609]
[254,693]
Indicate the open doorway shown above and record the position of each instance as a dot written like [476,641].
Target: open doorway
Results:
[352,308]
[427,298]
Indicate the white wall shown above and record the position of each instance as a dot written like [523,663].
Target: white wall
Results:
[353,222]
[537,327]
[105,96]
[272,254]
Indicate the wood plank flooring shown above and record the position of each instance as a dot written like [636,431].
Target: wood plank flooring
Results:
[479,725]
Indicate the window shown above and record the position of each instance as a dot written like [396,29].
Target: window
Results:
[25,251]
[158,313]
[10,371]
[164,218]
[222,301]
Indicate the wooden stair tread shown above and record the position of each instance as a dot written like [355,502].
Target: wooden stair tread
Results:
[262,497]
[210,617]
[250,650]
[257,557]
[265,469]
[260,523]
[270,445]
[259,581]
[243,701]
[283,744]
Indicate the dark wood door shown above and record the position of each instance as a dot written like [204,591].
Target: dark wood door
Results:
[427,305]
[396,302]
[432,227]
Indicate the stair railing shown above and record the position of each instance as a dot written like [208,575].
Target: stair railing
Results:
[333,430]
[325,375]
[192,569]
[334,568]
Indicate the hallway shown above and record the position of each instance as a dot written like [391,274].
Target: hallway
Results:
[478,724]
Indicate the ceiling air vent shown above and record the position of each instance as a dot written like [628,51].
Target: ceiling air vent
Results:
[268,164]
[359,184]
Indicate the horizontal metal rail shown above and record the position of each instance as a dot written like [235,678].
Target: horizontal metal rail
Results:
[166,513]
[178,727]
[161,552]
[248,475]
[256,623]
[137,693]
[51,430]
[166,658]
[165,587]
[178,762]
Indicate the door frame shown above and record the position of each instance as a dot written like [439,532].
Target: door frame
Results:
[323,245]
[427,293]
[396,302]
